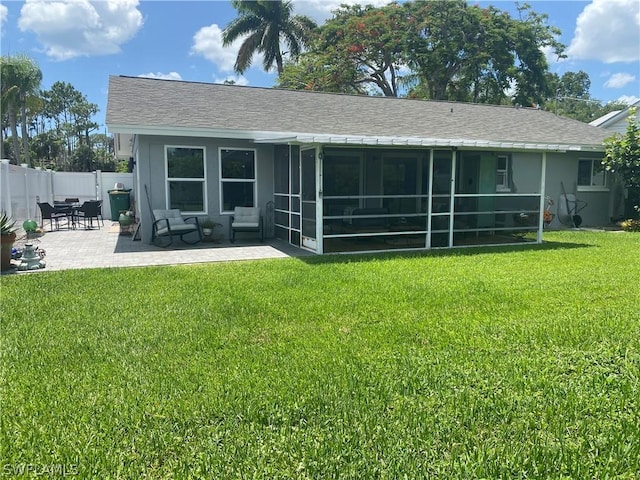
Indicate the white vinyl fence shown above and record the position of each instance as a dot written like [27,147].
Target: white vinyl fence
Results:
[21,188]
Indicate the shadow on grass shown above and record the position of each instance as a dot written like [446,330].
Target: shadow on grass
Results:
[125,244]
[445,252]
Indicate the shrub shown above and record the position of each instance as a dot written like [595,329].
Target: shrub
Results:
[630,225]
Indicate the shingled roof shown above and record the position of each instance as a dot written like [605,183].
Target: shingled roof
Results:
[168,107]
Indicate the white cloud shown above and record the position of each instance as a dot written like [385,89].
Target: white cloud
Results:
[320,10]
[162,76]
[73,28]
[628,99]
[609,31]
[619,80]
[4,11]
[236,79]
[207,42]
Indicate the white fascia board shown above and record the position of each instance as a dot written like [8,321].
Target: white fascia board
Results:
[200,132]
[310,138]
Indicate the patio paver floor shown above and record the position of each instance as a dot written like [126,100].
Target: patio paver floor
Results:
[106,247]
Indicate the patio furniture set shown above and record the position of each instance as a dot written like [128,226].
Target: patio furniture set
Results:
[170,223]
[73,212]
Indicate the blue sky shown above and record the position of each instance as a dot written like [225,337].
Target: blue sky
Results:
[82,42]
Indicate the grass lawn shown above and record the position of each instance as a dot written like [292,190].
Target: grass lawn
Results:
[478,363]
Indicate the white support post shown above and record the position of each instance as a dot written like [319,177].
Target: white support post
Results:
[543,174]
[319,221]
[454,157]
[430,199]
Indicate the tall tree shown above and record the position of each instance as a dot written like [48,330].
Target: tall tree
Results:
[20,82]
[70,114]
[462,52]
[370,39]
[439,50]
[572,98]
[265,23]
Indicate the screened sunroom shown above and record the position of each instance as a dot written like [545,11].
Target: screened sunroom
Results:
[341,199]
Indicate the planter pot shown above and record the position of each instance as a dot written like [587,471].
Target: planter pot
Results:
[6,244]
[125,220]
[207,231]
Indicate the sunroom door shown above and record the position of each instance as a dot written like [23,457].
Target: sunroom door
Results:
[308,184]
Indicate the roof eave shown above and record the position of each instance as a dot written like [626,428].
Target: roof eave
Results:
[264,137]
[428,142]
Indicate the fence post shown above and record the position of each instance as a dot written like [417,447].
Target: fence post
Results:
[51,190]
[26,187]
[5,188]
[99,182]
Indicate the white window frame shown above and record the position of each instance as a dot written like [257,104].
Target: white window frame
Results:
[221,180]
[591,187]
[202,180]
[504,186]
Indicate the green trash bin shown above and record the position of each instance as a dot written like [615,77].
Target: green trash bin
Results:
[119,200]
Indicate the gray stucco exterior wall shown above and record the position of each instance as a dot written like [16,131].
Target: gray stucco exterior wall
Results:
[562,168]
[151,166]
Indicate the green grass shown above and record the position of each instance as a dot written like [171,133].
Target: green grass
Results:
[478,363]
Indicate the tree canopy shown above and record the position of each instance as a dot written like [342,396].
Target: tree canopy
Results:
[436,50]
[443,51]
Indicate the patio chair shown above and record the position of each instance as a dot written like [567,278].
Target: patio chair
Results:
[54,214]
[169,223]
[88,211]
[245,219]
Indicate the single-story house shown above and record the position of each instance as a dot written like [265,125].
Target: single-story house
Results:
[345,173]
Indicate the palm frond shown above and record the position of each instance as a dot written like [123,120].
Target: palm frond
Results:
[240,27]
[246,52]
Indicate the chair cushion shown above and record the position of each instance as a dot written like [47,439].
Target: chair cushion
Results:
[162,214]
[174,218]
[245,225]
[246,217]
[183,228]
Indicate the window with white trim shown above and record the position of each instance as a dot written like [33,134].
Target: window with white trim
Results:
[238,180]
[186,178]
[502,173]
[591,174]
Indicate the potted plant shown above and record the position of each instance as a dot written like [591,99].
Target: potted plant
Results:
[126,218]
[7,238]
[207,227]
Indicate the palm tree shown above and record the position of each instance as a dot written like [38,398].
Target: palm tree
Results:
[20,82]
[265,23]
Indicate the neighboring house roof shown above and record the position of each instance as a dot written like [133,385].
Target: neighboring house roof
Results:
[168,107]
[600,120]
[612,118]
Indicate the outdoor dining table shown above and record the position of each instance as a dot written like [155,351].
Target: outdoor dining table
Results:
[69,209]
